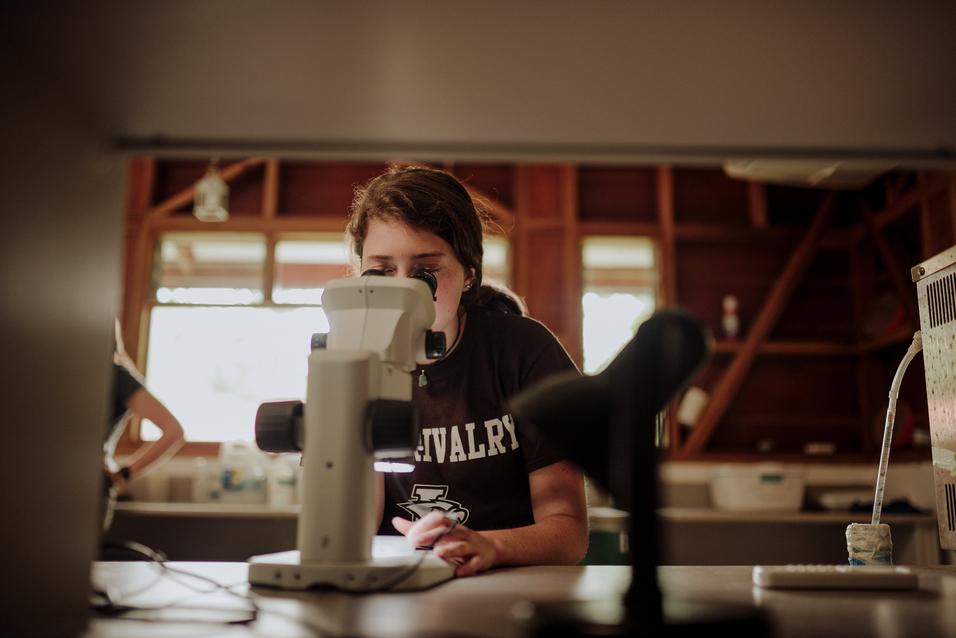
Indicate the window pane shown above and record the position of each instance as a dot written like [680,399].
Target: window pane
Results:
[620,284]
[213,366]
[210,269]
[496,266]
[304,266]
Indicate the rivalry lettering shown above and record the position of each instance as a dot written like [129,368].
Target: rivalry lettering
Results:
[455,443]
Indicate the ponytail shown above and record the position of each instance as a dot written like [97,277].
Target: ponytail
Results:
[498,298]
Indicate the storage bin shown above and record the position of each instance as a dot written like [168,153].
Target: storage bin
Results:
[760,487]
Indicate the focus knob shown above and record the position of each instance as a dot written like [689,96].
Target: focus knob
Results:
[279,426]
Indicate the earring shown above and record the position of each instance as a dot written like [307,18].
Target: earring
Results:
[467,286]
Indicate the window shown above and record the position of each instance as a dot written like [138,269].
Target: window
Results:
[222,339]
[217,346]
[495,267]
[619,293]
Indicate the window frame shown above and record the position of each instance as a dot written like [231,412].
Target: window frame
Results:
[132,437]
[656,270]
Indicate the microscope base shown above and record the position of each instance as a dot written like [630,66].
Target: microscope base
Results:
[381,573]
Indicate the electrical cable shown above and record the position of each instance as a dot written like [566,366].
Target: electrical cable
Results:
[110,605]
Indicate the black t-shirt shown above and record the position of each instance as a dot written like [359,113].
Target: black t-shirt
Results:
[473,458]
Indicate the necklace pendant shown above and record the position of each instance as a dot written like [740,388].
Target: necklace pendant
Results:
[422,380]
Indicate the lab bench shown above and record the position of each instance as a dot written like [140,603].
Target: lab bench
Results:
[689,536]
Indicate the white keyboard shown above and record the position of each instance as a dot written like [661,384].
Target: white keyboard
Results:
[834,577]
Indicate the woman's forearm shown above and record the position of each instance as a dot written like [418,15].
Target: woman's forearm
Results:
[556,540]
[150,454]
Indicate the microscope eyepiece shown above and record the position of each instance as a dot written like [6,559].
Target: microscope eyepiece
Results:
[428,277]
[421,274]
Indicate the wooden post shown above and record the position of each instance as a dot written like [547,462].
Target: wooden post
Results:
[757,197]
[547,220]
[665,217]
[573,272]
[766,319]
[952,206]
[668,282]
[270,189]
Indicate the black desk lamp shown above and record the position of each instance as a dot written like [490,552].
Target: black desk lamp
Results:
[606,424]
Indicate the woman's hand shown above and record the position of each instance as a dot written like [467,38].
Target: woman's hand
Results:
[457,544]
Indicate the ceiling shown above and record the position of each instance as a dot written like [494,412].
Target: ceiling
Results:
[588,81]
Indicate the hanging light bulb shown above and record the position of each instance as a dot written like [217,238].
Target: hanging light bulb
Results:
[212,196]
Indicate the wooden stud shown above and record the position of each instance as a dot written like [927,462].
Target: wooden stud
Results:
[757,198]
[573,271]
[667,268]
[142,176]
[665,217]
[766,319]
[269,268]
[952,206]
[270,189]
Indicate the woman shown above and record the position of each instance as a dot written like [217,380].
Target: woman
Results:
[485,490]
[131,397]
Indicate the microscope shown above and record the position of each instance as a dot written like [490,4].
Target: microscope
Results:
[357,418]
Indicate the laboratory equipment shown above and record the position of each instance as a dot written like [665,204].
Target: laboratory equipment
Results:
[357,417]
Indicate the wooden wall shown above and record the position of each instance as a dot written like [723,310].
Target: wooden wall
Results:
[814,272]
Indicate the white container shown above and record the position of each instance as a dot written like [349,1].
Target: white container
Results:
[243,471]
[207,480]
[692,406]
[283,480]
[760,487]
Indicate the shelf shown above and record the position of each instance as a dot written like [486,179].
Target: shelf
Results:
[610,518]
[698,515]
[872,459]
[792,420]
[800,348]
[818,348]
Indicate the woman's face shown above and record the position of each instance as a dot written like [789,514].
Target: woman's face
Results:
[398,249]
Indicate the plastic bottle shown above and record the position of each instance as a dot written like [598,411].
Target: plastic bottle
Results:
[729,322]
[207,481]
[243,473]
[283,478]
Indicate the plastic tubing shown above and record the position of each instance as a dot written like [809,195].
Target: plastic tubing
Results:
[913,350]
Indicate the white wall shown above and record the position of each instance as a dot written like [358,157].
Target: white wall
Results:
[564,78]
[61,202]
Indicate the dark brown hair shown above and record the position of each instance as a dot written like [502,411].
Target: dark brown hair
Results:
[434,201]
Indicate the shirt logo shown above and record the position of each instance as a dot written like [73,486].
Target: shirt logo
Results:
[430,498]
[456,443]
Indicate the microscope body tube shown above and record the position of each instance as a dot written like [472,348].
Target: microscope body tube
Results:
[339,482]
